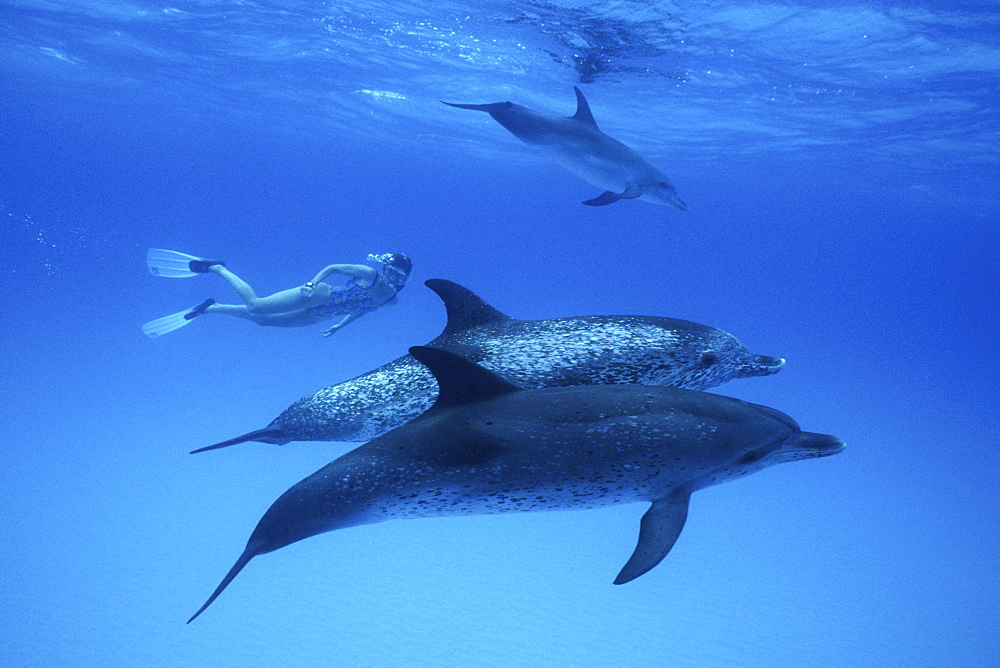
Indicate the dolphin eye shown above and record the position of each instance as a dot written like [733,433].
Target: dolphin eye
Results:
[708,359]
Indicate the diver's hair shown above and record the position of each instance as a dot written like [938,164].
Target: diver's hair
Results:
[398,261]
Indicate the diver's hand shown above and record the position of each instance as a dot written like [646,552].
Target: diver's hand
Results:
[307,290]
[331,330]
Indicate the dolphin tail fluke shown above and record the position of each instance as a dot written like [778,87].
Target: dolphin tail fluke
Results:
[488,108]
[244,559]
[266,435]
[658,531]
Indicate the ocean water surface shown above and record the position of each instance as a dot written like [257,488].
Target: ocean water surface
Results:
[840,161]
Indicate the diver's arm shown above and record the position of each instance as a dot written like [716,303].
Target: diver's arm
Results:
[346,321]
[358,271]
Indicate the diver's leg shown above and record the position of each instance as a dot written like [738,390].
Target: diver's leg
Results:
[292,299]
[240,311]
[283,302]
[242,288]
[300,318]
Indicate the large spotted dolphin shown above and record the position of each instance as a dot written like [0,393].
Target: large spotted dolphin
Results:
[489,446]
[577,144]
[582,350]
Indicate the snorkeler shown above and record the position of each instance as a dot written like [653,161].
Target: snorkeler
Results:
[366,290]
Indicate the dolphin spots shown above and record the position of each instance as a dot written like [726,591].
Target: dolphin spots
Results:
[581,350]
[487,445]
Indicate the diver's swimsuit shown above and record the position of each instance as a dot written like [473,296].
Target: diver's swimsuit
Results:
[349,299]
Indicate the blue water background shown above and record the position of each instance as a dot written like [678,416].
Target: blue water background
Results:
[840,161]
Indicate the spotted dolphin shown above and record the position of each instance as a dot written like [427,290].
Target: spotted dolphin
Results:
[490,446]
[576,143]
[580,350]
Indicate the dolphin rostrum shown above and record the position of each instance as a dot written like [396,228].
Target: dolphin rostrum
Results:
[489,446]
[577,144]
[582,350]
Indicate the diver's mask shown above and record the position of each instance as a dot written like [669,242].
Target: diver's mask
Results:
[395,268]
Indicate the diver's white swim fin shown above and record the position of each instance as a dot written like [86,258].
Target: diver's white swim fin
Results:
[169,323]
[171,264]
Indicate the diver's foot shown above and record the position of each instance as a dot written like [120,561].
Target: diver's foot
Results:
[199,309]
[203,266]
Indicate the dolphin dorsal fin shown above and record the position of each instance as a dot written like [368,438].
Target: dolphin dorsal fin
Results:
[459,380]
[465,308]
[583,109]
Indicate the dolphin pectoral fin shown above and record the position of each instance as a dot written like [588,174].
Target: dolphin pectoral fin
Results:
[603,200]
[488,108]
[632,192]
[658,531]
[263,435]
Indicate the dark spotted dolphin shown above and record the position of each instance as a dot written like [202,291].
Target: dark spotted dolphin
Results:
[489,446]
[582,350]
[577,144]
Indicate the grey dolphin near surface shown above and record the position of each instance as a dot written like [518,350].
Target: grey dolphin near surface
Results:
[489,446]
[582,350]
[576,143]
